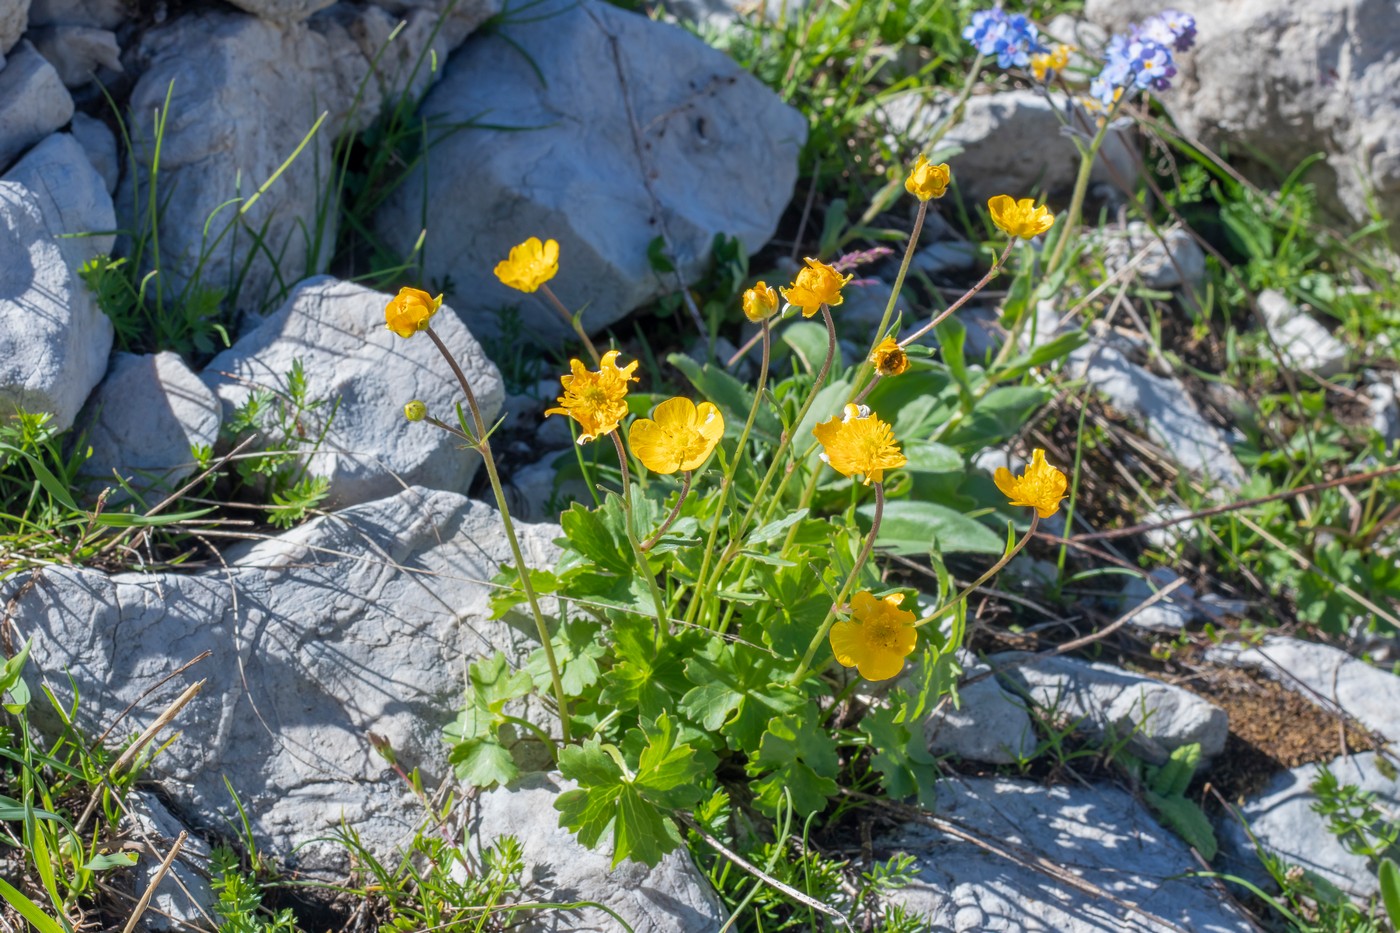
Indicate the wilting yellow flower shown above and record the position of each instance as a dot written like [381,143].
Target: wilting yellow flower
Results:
[530,265]
[859,442]
[415,411]
[816,285]
[1020,218]
[408,312]
[760,302]
[927,180]
[597,401]
[889,358]
[876,638]
[1041,487]
[681,437]
[1054,60]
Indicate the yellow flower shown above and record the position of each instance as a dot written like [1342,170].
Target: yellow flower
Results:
[889,358]
[1041,487]
[530,265]
[927,180]
[415,411]
[859,442]
[1020,218]
[760,302]
[876,638]
[407,312]
[1054,60]
[597,401]
[816,285]
[682,436]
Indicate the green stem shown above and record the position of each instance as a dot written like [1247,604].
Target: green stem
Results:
[991,572]
[730,473]
[657,601]
[483,444]
[1076,201]
[867,367]
[845,590]
[997,263]
[685,491]
[573,322]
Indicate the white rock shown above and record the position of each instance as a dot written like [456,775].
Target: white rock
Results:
[1011,142]
[33,102]
[1171,613]
[673,897]
[1173,260]
[1383,400]
[537,495]
[1113,704]
[1303,342]
[1099,834]
[184,895]
[1281,817]
[143,419]
[863,304]
[989,724]
[54,340]
[718,154]
[945,256]
[101,147]
[1185,532]
[1369,695]
[337,331]
[14,17]
[282,11]
[246,92]
[1165,409]
[1286,80]
[357,623]
[77,52]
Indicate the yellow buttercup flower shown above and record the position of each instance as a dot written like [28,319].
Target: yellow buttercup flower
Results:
[1041,487]
[1054,60]
[1020,218]
[927,180]
[408,312]
[596,400]
[530,265]
[760,302]
[859,442]
[680,437]
[816,285]
[876,638]
[889,358]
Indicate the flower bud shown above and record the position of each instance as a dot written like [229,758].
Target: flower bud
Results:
[760,302]
[415,411]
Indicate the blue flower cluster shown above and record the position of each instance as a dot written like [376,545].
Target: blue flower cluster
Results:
[1013,39]
[1142,59]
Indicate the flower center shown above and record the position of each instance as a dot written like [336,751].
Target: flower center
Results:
[882,634]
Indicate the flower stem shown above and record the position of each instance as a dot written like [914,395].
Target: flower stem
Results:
[991,571]
[867,367]
[733,469]
[657,601]
[573,322]
[845,590]
[483,444]
[982,283]
[685,491]
[1076,201]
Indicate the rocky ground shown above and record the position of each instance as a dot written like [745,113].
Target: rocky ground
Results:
[622,136]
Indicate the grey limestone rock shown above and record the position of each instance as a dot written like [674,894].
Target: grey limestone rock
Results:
[1366,693]
[33,102]
[1011,143]
[1115,704]
[355,624]
[247,91]
[1286,80]
[1172,261]
[1383,400]
[336,329]
[282,11]
[630,130]
[100,144]
[143,419]
[1099,835]
[1302,341]
[100,14]
[54,340]
[988,725]
[14,17]
[673,897]
[184,895]
[1282,818]
[77,52]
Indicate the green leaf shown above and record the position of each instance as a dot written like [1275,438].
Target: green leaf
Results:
[900,755]
[669,773]
[1054,349]
[482,762]
[577,652]
[1187,820]
[112,860]
[1172,779]
[12,683]
[810,343]
[827,405]
[915,528]
[1389,876]
[30,911]
[810,791]
[598,536]
[1000,414]
[738,690]
[509,593]
[642,833]
[647,677]
[802,758]
[774,530]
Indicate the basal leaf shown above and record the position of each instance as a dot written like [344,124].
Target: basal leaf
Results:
[914,528]
[483,762]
